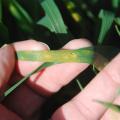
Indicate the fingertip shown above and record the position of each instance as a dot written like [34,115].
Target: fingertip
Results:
[77,43]
[7,63]
[25,67]
[30,45]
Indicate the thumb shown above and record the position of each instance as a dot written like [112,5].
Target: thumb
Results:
[7,61]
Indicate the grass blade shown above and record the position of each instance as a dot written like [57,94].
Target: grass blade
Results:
[23,18]
[115,3]
[96,55]
[18,11]
[117,20]
[79,84]
[117,29]
[4,34]
[107,18]
[59,56]
[11,89]
[110,105]
[53,20]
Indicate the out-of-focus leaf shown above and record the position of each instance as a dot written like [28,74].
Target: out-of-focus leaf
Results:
[81,5]
[107,18]
[110,105]
[115,3]
[71,6]
[3,29]
[0,10]
[33,8]
[4,34]
[117,29]
[117,20]
[23,18]
[53,19]
[94,1]
[59,56]
[94,69]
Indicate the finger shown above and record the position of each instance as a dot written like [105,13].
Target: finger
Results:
[57,76]
[25,67]
[102,87]
[7,61]
[111,114]
[5,114]
[24,101]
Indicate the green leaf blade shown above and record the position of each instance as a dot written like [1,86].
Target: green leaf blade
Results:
[54,16]
[54,22]
[23,18]
[115,3]
[11,89]
[107,18]
[59,56]
[91,55]
[110,105]
[19,12]
[117,20]
[117,29]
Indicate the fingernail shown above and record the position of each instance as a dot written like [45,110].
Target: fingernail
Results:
[4,45]
[45,45]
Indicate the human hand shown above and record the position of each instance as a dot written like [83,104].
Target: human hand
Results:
[24,102]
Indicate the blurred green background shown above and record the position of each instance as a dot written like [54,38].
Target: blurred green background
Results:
[23,19]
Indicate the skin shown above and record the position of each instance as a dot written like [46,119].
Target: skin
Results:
[32,95]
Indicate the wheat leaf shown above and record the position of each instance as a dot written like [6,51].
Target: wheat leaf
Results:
[115,3]
[117,29]
[107,18]
[54,22]
[97,55]
[79,84]
[110,105]
[11,89]
[52,17]
[60,56]
[117,20]
[22,17]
